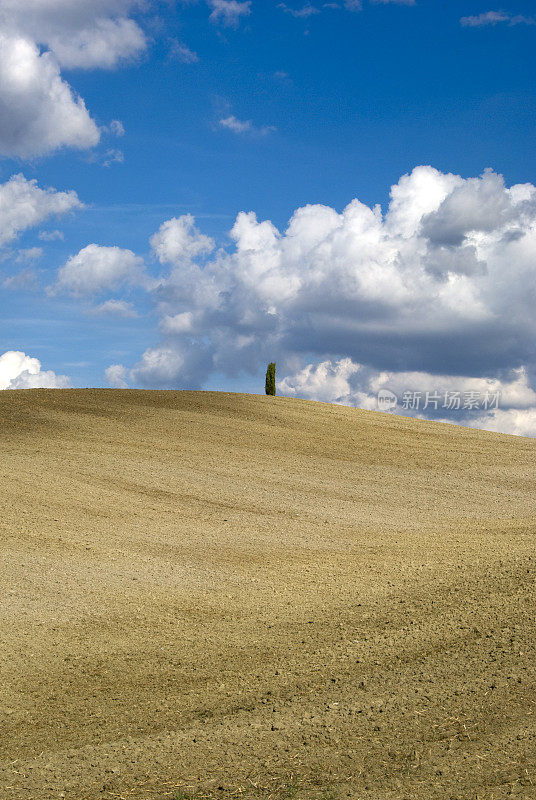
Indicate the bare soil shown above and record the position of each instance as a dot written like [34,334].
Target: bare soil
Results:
[218,595]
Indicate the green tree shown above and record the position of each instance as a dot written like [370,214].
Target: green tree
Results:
[270,378]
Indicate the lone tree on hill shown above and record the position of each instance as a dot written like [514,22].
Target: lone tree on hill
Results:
[270,379]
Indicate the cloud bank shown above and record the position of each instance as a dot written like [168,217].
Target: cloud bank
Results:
[442,286]
[447,398]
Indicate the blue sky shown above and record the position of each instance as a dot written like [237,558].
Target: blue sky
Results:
[217,108]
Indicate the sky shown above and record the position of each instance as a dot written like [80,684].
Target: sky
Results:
[189,190]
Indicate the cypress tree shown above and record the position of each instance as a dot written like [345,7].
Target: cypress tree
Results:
[270,379]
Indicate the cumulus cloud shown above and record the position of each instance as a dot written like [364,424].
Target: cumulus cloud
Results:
[104,44]
[441,283]
[474,205]
[229,12]
[177,324]
[39,111]
[78,33]
[178,240]
[19,371]
[496,17]
[159,366]
[328,381]
[117,375]
[165,367]
[23,205]
[96,269]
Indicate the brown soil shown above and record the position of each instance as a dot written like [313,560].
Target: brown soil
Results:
[238,596]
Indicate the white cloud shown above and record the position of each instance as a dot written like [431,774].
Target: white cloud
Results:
[518,423]
[178,240]
[81,34]
[115,308]
[28,254]
[496,17]
[304,12]
[327,381]
[441,282]
[95,269]
[51,236]
[486,18]
[117,376]
[25,280]
[23,205]
[395,2]
[236,125]
[308,9]
[229,12]
[515,392]
[19,371]
[178,324]
[239,126]
[160,366]
[39,112]
[113,156]
[104,44]
[116,128]
[181,52]
[474,205]
[165,366]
